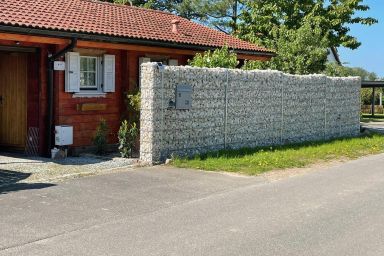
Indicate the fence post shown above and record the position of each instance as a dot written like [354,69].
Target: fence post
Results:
[161,70]
[325,109]
[282,114]
[226,110]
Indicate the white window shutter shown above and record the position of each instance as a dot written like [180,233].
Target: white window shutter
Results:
[141,61]
[72,72]
[109,73]
[173,62]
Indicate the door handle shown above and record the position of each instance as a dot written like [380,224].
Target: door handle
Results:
[1,100]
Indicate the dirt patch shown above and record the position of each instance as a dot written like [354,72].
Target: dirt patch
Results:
[287,173]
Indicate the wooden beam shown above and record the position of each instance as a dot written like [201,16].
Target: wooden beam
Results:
[142,48]
[134,47]
[33,39]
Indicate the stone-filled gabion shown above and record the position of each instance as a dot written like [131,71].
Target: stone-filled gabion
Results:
[236,108]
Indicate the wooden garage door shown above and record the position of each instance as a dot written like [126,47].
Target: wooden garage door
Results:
[13,99]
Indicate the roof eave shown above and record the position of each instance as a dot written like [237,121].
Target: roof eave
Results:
[117,39]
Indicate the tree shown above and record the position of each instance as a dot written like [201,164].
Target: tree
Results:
[299,51]
[260,18]
[189,9]
[223,15]
[219,58]
[333,69]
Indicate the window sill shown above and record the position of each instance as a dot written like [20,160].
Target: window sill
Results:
[89,95]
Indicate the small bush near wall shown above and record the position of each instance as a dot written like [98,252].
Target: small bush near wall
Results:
[221,58]
[100,140]
[127,137]
[133,105]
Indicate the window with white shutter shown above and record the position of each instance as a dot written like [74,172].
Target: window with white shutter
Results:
[89,76]
[109,73]
[72,72]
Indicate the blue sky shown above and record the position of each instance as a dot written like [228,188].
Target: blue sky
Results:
[370,55]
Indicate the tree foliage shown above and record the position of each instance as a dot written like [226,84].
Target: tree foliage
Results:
[299,51]
[222,58]
[260,18]
[251,19]
[189,9]
[223,15]
[333,69]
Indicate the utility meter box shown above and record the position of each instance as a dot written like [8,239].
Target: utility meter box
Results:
[183,97]
[63,135]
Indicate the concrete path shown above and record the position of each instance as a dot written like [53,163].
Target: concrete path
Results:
[18,168]
[374,126]
[163,211]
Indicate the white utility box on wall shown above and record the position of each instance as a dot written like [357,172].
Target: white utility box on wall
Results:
[63,135]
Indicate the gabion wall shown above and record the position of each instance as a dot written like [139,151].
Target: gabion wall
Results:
[235,109]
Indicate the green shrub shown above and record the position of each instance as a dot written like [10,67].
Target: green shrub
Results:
[100,139]
[127,136]
[133,105]
[219,58]
[134,101]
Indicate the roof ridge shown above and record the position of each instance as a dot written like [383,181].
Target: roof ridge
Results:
[157,11]
[130,7]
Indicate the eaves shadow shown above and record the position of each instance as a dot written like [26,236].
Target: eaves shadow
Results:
[10,182]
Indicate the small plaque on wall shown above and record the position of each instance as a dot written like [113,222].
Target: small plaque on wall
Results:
[91,107]
[59,65]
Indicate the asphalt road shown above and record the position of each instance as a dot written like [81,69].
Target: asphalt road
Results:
[159,211]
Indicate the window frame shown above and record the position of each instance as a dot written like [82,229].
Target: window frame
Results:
[98,74]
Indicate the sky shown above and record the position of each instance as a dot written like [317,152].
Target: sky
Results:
[370,55]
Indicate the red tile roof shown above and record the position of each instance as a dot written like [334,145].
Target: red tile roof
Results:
[87,16]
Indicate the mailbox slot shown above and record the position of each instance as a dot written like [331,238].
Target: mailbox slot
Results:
[184,97]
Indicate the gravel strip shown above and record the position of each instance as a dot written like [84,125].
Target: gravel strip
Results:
[33,169]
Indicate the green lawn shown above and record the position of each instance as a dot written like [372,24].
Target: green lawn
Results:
[259,160]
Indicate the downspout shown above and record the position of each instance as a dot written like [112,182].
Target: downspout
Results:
[50,89]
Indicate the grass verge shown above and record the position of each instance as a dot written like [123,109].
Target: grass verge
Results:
[258,160]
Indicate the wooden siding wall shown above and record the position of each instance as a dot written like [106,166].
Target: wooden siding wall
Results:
[86,122]
[66,106]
